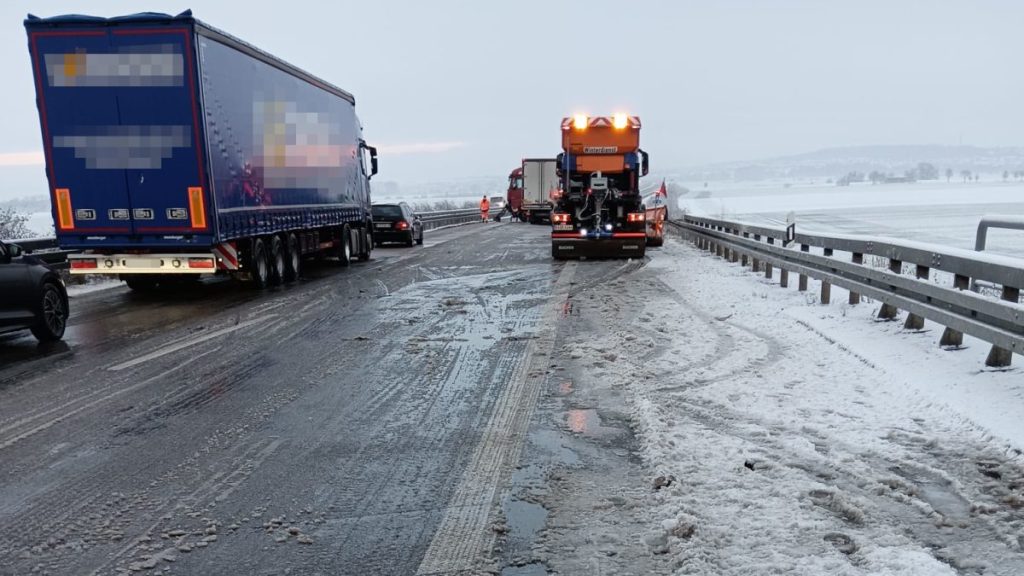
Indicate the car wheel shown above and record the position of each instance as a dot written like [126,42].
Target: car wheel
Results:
[345,247]
[260,265]
[410,241]
[293,265]
[277,260]
[53,315]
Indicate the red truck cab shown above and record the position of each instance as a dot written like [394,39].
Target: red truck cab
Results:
[514,196]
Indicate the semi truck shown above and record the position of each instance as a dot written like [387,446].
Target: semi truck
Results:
[600,212]
[174,149]
[540,188]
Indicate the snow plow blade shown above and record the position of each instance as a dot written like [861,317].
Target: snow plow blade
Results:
[569,248]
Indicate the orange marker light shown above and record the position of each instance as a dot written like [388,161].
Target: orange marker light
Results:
[197,207]
[64,219]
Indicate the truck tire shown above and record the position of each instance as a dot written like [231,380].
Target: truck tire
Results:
[364,255]
[293,262]
[140,282]
[259,264]
[277,260]
[53,315]
[345,247]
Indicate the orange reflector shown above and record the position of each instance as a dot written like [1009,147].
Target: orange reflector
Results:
[200,263]
[64,218]
[197,207]
[77,264]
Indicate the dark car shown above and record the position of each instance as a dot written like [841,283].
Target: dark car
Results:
[396,223]
[32,296]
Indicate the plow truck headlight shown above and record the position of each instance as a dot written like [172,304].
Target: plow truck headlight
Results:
[619,121]
[583,232]
[579,121]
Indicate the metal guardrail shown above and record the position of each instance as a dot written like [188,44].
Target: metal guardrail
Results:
[1006,222]
[44,249]
[905,282]
[440,218]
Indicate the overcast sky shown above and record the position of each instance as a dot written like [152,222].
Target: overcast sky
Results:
[466,88]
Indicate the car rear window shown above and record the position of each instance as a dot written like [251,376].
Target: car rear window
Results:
[386,211]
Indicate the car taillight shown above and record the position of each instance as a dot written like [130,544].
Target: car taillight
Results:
[79,264]
[200,263]
[401,225]
[635,217]
[560,218]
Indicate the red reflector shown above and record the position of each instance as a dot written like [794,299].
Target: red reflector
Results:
[200,263]
[82,264]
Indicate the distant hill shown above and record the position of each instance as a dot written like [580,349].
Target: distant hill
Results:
[835,162]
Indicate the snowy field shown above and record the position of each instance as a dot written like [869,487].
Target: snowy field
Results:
[936,212]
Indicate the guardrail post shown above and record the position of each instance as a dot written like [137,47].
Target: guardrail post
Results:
[802,282]
[915,322]
[743,257]
[768,265]
[888,311]
[954,338]
[734,256]
[1001,357]
[826,292]
[858,258]
[783,278]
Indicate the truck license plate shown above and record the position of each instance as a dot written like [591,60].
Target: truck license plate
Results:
[562,227]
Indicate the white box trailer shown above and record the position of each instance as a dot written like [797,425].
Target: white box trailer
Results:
[540,185]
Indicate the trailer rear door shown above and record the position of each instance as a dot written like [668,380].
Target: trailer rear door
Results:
[120,124]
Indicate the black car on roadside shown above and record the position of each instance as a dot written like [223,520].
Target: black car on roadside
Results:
[32,295]
[396,223]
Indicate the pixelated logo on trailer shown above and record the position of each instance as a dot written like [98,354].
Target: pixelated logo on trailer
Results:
[155,65]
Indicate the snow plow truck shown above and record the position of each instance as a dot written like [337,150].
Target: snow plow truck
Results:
[599,212]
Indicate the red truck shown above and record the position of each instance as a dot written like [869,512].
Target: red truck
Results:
[514,196]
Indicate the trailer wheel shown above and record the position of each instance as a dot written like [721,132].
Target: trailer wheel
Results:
[259,265]
[277,260]
[140,282]
[345,247]
[293,264]
[367,236]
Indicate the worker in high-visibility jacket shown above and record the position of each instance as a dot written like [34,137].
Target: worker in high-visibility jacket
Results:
[485,209]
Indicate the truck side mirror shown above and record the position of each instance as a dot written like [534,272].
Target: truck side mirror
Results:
[644,163]
[373,160]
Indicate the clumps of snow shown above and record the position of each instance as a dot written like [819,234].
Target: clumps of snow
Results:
[809,439]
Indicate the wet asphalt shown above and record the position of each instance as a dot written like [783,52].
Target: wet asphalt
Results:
[330,426]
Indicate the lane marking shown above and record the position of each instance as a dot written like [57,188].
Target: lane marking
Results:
[463,537]
[188,343]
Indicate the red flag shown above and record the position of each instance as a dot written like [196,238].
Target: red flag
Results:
[662,191]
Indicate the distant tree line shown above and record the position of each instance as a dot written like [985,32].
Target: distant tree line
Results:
[923,171]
